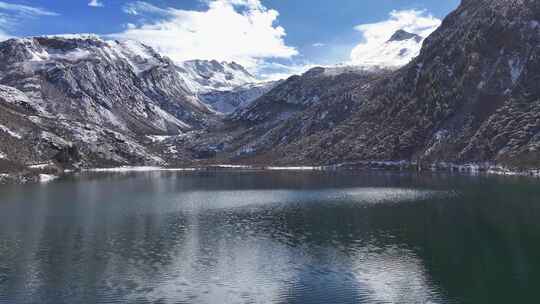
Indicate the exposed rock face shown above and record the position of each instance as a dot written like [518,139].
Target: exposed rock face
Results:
[120,85]
[401,35]
[471,95]
[206,76]
[223,86]
[30,137]
[95,95]
[301,106]
[300,93]
[237,98]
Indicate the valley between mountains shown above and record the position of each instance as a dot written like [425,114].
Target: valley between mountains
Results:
[467,94]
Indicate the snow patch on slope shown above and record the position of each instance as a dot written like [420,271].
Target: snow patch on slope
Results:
[13,96]
[238,98]
[74,55]
[10,132]
[139,169]
[46,178]
[203,76]
[44,56]
[516,68]
[140,57]
[81,36]
[168,118]
[159,138]
[199,76]
[55,140]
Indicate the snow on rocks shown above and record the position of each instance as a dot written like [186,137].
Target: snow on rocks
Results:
[41,166]
[159,138]
[439,137]
[4,178]
[138,169]
[225,166]
[238,98]
[139,56]
[10,132]
[55,139]
[168,118]
[298,168]
[13,96]
[203,76]
[516,68]
[46,178]
[79,36]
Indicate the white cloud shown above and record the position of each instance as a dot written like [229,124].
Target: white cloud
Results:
[375,35]
[26,10]
[95,3]
[11,15]
[141,7]
[227,30]
[4,36]
[318,44]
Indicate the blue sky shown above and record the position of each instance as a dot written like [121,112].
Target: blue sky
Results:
[290,32]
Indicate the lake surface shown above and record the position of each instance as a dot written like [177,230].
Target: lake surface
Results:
[271,237]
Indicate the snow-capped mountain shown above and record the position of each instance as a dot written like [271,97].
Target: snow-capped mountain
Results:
[99,96]
[400,48]
[102,72]
[397,51]
[238,98]
[471,95]
[102,102]
[204,76]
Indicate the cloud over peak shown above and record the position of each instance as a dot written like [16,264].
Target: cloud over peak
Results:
[227,30]
[95,3]
[375,38]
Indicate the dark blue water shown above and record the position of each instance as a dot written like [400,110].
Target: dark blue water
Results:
[270,237]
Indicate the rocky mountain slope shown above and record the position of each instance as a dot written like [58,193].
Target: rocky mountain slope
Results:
[472,95]
[223,86]
[98,96]
[237,98]
[205,76]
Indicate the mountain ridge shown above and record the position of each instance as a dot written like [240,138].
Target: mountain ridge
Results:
[470,96]
[98,96]
[398,50]
[456,102]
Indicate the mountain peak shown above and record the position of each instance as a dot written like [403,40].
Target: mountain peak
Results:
[401,35]
[399,50]
[204,76]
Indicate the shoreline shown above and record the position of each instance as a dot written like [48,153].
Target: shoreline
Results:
[205,168]
[390,166]
[469,168]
